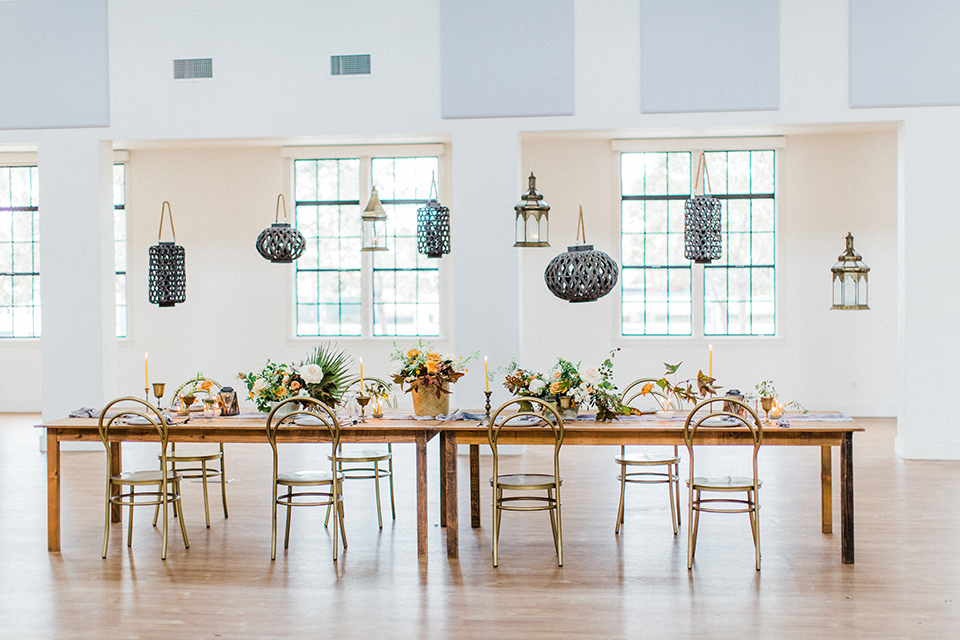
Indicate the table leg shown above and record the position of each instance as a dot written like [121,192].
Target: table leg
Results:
[443,478]
[116,465]
[421,439]
[474,485]
[846,498]
[450,504]
[53,491]
[826,489]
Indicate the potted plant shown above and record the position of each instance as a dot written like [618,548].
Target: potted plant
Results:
[427,375]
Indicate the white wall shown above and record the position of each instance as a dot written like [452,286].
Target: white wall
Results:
[272,86]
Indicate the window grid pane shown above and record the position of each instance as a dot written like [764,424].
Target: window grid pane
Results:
[19,253]
[120,246]
[739,292]
[656,282]
[326,212]
[405,282]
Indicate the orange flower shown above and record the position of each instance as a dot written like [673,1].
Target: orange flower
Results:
[554,387]
[556,375]
[431,366]
[413,353]
[294,385]
[205,385]
[432,355]
[281,392]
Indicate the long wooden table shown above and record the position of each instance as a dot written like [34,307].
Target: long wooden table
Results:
[231,429]
[653,432]
[251,429]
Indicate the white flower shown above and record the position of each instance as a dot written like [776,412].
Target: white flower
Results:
[536,386]
[258,385]
[591,376]
[312,374]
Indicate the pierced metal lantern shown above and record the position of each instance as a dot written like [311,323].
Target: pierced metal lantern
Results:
[583,273]
[702,241]
[850,280]
[433,227]
[167,272]
[374,222]
[533,219]
[280,242]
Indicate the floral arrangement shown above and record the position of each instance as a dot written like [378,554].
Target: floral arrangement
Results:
[672,392]
[591,386]
[323,375]
[422,368]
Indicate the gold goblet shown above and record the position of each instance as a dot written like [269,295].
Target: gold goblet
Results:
[767,403]
[362,401]
[158,388]
[187,400]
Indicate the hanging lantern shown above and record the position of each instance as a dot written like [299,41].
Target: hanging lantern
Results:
[850,280]
[702,241]
[433,227]
[167,272]
[582,274]
[374,221]
[533,218]
[280,242]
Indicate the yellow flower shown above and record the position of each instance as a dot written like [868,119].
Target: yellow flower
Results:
[431,366]
[554,387]
[432,355]
[281,392]
[205,385]
[413,353]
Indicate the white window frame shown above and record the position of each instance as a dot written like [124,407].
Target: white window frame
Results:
[366,153]
[694,146]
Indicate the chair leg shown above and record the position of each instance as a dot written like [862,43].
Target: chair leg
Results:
[559,532]
[223,482]
[553,518]
[133,491]
[376,482]
[623,488]
[497,496]
[673,507]
[690,529]
[286,535]
[106,526]
[343,531]
[756,526]
[206,497]
[696,525]
[393,506]
[326,519]
[273,537]
[183,525]
[163,500]
[676,482]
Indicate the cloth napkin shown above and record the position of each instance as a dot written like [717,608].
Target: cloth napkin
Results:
[85,412]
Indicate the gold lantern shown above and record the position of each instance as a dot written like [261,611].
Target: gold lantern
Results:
[374,221]
[850,280]
[533,218]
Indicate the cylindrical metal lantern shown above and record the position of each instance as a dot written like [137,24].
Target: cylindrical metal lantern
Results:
[583,273]
[373,222]
[702,240]
[850,280]
[167,271]
[533,218]
[280,242]
[433,227]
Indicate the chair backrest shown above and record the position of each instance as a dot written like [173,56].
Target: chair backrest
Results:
[510,415]
[309,415]
[723,412]
[133,410]
[633,392]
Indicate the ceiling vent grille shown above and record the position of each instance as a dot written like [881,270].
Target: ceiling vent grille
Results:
[192,68]
[350,65]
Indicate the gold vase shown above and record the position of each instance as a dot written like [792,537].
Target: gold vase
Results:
[426,402]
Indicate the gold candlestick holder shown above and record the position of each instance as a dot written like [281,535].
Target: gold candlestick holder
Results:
[487,405]
[363,401]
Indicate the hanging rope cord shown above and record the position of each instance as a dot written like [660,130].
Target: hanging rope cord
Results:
[165,207]
[702,161]
[581,227]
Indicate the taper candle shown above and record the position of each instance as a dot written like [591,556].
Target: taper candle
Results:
[711,361]
[146,371]
[486,374]
[361,376]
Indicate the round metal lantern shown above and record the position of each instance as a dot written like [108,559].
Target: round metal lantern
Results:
[280,242]
[702,240]
[533,218]
[167,271]
[433,227]
[583,273]
[850,280]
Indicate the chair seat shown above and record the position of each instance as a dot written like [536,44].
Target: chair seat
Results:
[523,481]
[305,477]
[647,459]
[723,483]
[143,477]
[363,455]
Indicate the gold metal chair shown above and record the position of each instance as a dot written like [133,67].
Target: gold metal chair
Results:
[645,460]
[722,412]
[165,484]
[365,464]
[320,422]
[527,482]
[197,459]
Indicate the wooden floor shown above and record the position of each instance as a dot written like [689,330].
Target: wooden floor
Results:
[905,583]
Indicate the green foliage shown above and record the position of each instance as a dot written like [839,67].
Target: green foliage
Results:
[336,366]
